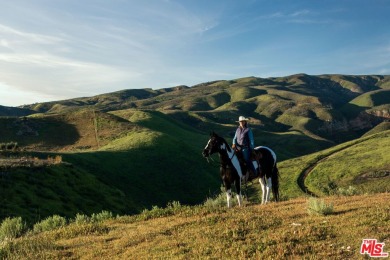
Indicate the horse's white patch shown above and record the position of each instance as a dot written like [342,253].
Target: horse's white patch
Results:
[233,158]
[207,144]
[235,162]
[255,164]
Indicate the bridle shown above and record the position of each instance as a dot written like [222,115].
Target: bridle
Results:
[219,150]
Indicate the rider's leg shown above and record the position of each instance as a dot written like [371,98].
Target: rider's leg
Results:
[249,164]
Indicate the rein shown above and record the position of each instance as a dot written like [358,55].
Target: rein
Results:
[221,164]
[213,162]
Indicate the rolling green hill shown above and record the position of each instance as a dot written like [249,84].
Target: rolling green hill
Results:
[132,149]
[321,107]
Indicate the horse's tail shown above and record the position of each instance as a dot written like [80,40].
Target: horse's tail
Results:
[275,182]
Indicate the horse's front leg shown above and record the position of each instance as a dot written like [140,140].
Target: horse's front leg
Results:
[228,191]
[228,197]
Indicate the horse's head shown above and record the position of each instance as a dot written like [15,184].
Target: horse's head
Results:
[213,145]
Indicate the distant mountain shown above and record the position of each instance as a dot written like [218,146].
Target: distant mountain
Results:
[331,108]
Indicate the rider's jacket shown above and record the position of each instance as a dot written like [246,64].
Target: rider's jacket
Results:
[244,138]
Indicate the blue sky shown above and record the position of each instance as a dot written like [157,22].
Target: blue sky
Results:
[59,49]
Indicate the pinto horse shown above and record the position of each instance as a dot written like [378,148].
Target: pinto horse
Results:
[231,169]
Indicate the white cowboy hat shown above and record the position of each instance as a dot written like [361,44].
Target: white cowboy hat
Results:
[242,118]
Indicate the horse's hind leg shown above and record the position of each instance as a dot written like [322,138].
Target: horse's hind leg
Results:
[238,189]
[268,188]
[263,189]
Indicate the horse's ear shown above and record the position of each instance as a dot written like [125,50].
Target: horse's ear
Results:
[213,133]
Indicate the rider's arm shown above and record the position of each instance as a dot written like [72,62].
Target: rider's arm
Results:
[235,139]
[251,139]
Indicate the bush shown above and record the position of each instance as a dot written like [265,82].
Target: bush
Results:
[11,146]
[50,223]
[99,217]
[348,192]
[154,212]
[12,228]
[82,219]
[319,207]
[217,202]
[174,206]
[220,200]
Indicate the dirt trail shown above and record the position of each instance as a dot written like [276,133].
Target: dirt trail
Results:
[310,168]
[305,173]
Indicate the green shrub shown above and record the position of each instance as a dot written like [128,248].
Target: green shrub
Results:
[12,228]
[319,207]
[11,146]
[217,201]
[99,217]
[220,200]
[154,212]
[50,223]
[174,206]
[348,192]
[81,219]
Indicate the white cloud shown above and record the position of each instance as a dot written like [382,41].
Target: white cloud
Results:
[14,97]
[83,53]
[30,37]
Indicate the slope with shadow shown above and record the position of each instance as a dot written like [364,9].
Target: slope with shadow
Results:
[153,161]
[15,111]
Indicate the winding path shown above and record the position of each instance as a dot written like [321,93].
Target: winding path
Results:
[305,173]
[310,168]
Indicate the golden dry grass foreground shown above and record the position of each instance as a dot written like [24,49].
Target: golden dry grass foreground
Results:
[273,231]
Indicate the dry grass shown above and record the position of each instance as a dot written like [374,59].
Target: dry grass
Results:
[275,231]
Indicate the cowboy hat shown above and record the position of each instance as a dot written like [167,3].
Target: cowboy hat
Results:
[242,118]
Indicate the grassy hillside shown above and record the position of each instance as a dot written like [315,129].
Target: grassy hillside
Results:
[157,159]
[152,161]
[277,231]
[364,165]
[132,149]
[43,191]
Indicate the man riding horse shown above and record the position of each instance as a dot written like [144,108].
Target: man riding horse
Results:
[243,142]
